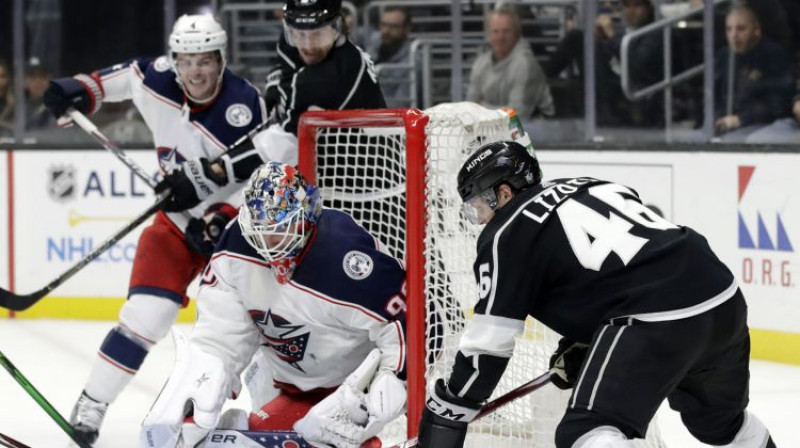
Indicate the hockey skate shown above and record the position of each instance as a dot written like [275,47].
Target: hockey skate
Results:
[87,416]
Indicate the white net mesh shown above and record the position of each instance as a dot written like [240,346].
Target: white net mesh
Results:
[361,169]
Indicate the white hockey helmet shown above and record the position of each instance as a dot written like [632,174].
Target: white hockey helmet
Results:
[198,33]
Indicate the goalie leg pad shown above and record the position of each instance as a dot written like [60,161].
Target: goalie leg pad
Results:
[199,381]
[258,379]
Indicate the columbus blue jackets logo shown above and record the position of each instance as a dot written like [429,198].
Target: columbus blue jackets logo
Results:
[238,115]
[357,265]
[169,159]
[61,185]
[288,341]
[161,64]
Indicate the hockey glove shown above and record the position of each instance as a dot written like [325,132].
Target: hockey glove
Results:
[445,418]
[190,185]
[350,416]
[202,234]
[82,92]
[566,363]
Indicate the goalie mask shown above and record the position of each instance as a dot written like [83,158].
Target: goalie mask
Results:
[488,167]
[192,37]
[312,26]
[278,216]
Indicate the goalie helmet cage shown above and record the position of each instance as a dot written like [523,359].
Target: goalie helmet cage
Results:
[394,171]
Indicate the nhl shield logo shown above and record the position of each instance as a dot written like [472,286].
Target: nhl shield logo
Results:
[357,265]
[61,185]
[238,115]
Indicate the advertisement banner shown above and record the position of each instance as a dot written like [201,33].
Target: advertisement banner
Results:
[66,204]
[745,204]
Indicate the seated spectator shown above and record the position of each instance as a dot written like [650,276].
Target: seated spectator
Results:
[6,100]
[392,45]
[509,75]
[37,79]
[784,130]
[756,88]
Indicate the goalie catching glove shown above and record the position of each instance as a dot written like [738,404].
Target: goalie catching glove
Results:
[199,383]
[357,410]
[566,363]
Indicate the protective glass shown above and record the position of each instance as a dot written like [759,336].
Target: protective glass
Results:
[322,37]
[479,209]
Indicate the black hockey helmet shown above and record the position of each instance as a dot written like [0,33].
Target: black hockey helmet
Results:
[495,163]
[310,14]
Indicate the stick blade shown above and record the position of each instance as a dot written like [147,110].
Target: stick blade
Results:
[17,302]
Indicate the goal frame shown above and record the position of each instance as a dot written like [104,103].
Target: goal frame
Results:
[414,122]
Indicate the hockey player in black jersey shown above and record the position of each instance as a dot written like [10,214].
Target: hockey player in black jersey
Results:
[646,309]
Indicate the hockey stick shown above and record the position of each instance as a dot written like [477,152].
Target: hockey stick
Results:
[11,443]
[87,125]
[51,411]
[498,402]
[21,302]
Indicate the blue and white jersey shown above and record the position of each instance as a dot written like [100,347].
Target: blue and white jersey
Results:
[181,132]
[346,297]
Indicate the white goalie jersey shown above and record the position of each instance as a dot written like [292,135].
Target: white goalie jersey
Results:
[345,298]
[181,132]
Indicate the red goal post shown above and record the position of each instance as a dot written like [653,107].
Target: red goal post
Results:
[414,122]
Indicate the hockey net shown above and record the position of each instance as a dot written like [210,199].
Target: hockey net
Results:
[394,171]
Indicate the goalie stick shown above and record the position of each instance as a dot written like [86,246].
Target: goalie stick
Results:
[231,438]
[37,396]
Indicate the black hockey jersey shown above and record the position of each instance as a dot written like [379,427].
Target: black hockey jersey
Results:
[345,79]
[574,253]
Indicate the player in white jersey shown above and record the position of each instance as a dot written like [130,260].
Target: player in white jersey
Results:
[319,68]
[195,108]
[325,299]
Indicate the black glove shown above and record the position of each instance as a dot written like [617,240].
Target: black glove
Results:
[444,419]
[202,234]
[82,93]
[190,185]
[566,363]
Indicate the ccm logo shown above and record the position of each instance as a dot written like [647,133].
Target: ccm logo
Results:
[443,411]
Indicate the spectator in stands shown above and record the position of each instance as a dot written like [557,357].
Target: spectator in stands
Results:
[646,67]
[784,130]
[6,99]
[37,79]
[392,45]
[754,81]
[509,75]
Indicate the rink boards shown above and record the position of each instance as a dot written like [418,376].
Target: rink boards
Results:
[61,204]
